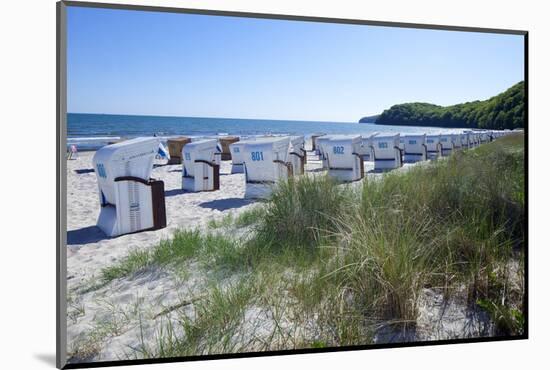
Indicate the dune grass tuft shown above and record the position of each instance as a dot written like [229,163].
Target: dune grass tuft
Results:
[301,212]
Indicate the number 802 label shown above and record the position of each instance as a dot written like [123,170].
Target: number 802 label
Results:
[338,149]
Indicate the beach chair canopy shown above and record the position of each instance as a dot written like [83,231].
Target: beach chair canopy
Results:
[342,150]
[262,157]
[200,150]
[384,145]
[175,145]
[236,150]
[132,157]
[448,140]
[433,141]
[413,143]
[225,141]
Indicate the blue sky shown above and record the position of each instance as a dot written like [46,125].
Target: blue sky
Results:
[134,62]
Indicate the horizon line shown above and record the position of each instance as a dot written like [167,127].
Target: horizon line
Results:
[230,118]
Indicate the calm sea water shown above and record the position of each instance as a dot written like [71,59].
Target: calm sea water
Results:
[92,131]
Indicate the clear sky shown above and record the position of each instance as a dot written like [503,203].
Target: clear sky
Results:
[134,62]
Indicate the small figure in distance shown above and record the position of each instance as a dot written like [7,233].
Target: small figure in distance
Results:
[73,152]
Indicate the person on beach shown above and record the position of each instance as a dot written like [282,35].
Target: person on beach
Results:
[73,152]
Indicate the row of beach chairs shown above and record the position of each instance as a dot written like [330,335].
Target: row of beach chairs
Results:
[132,201]
[391,151]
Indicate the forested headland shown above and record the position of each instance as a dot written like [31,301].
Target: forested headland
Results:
[503,111]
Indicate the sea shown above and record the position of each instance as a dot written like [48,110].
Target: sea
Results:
[92,131]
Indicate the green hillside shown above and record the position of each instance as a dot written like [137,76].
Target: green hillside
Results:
[503,111]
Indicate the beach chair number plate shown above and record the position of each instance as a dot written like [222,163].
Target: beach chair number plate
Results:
[257,156]
[338,149]
[101,170]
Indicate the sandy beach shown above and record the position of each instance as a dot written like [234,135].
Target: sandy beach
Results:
[119,320]
[89,249]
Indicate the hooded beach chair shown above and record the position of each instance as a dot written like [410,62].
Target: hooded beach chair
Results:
[434,147]
[385,152]
[201,166]
[457,141]
[130,199]
[237,162]
[345,163]
[175,146]
[484,137]
[465,140]
[448,143]
[474,139]
[265,164]
[225,142]
[414,148]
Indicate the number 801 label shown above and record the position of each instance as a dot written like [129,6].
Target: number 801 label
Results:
[257,156]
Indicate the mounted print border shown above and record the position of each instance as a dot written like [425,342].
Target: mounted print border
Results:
[261,149]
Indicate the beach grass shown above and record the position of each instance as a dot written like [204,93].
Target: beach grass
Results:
[451,223]
[246,218]
[333,263]
[213,250]
[212,328]
[301,213]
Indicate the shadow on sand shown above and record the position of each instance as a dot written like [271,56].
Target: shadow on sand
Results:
[386,170]
[172,192]
[84,170]
[85,235]
[225,204]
